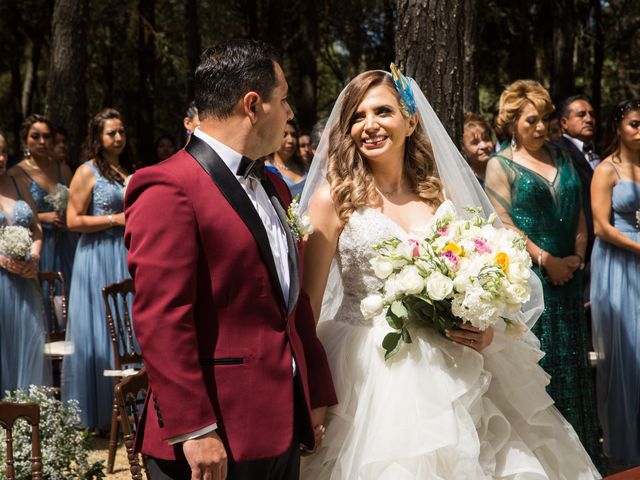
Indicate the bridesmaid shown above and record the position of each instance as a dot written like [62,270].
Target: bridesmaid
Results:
[615,286]
[96,211]
[22,334]
[288,162]
[41,174]
[535,189]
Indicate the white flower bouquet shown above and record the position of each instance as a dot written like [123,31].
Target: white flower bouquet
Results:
[58,198]
[456,270]
[300,224]
[15,242]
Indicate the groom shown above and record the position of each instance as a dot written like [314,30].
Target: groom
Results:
[239,381]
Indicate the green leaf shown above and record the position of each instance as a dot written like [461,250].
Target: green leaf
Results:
[391,343]
[394,321]
[399,309]
[406,336]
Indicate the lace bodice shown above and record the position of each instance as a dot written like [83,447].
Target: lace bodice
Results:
[365,228]
[21,215]
[108,196]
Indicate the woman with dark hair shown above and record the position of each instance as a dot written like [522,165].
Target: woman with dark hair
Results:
[163,148]
[287,161]
[535,189]
[22,333]
[48,182]
[96,211]
[615,285]
[190,122]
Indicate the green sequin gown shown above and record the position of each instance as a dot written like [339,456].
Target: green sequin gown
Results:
[548,213]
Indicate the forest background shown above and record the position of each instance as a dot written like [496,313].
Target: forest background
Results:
[71,58]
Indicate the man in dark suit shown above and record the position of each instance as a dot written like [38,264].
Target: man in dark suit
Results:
[239,381]
[578,124]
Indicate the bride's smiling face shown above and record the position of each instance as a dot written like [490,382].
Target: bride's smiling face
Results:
[378,127]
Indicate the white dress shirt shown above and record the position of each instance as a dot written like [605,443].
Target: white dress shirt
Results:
[272,224]
[580,144]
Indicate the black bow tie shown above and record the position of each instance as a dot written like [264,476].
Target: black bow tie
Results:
[247,167]
[588,148]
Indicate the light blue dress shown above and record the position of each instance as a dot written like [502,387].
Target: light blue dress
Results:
[58,246]
[22,333]
[295,188]
[615,314]
[99,261]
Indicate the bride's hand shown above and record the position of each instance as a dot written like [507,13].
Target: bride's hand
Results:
[471,337]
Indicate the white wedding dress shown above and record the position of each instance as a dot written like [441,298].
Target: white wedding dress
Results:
[437,410]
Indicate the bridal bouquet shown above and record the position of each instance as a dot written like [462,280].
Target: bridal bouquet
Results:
[15,242]
[456,270]
[58,198]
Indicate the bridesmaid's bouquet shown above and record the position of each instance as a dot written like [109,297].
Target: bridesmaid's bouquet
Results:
[58,198]
[15,242]
[456,270]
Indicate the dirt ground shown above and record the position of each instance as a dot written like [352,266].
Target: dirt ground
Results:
[100,451]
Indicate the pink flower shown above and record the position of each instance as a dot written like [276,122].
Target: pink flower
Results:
[481,246]
[416,246]
[449,255]
[444,231]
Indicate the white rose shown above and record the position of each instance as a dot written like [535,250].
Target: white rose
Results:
[518,293]
[404,250]
[392,289]
[381,268]
[518,272]
[462,282]
[371,306]
[439,286]
[411,280]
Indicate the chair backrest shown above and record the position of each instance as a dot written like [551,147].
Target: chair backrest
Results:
[117,298]
[53,283]
[130,394]
[9,413]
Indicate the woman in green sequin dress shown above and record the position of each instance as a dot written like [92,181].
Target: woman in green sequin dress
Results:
[535,189]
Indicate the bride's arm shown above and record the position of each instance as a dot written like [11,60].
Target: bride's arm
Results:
[320,247]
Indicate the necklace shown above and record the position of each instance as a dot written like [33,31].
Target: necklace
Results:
[281,165]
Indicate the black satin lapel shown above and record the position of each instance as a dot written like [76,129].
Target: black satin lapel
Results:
[237,198]
[292,246]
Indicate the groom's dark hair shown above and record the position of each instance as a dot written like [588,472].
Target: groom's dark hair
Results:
[230,70]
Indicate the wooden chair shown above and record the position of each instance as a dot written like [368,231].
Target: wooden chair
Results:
[126,353]
[130,394]
[9,413]
[633,474]
[56,347]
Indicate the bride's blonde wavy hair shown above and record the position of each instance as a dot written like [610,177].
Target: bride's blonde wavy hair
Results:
[348,173]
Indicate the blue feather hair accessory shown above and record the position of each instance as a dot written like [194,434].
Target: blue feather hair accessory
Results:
[404,90]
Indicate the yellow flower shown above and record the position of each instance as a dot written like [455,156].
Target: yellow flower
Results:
[454,248]
[502,259]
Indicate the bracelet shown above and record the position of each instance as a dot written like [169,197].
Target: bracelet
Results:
[540,251]
[580,257]
[110,218]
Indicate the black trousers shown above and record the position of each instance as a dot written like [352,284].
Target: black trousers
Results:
[283,467]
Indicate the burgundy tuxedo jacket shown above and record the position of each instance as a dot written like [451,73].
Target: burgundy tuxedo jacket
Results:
[215,332]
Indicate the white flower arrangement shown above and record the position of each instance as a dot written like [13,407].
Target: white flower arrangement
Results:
[58,198]
[15,242]
[64,445]
[300,224]
[638,218]
[457,270]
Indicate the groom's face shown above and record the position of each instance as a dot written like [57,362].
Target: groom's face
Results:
[274,115]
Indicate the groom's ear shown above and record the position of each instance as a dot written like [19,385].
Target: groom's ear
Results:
[250,106]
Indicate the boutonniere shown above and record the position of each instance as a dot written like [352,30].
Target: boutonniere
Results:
[638,218]
[300,224]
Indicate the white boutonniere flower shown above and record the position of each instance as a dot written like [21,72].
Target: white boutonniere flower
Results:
[638,218]
[300,224]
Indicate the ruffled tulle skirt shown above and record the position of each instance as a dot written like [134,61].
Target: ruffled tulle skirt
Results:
[100,260]
[22,334]
[441,411]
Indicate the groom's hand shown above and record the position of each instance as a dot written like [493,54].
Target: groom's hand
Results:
[317,420]
[207,457]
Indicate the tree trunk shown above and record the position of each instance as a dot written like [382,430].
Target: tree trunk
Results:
[598,62]
[429,47]
[470,100]
[146,80]
[564,34]
[194,45]
[30,83]
[66,96]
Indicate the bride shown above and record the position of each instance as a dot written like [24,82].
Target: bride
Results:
[471,406]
